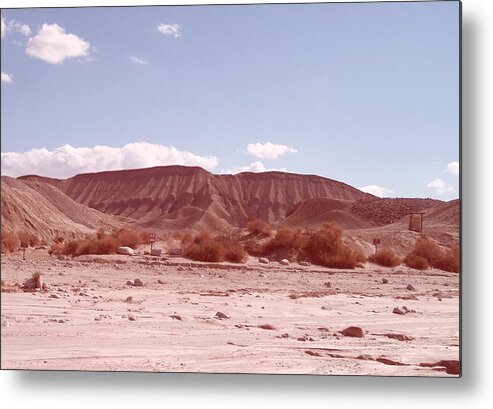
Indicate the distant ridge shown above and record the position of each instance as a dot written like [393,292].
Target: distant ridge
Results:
[180,197]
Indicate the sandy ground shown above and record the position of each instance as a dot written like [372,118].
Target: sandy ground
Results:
[85,320]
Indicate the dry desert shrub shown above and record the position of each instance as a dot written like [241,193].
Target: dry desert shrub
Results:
[435,256]
[385,258]
[10,242]
[100,243]
[323,247]
[259,227]
[127,237]
[416,262]
[205,247]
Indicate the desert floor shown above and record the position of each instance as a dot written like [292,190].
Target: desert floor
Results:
[89,318]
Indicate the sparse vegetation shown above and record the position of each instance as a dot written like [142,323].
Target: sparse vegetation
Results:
[205,247]
[435,256]
[416,262]
[259,227]
[385,258]
[323,247]
[100,243]
[10,242]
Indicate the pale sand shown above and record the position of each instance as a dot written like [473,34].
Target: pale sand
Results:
[97,335]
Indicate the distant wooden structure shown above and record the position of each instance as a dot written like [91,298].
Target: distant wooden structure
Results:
[376,243]
[416,221]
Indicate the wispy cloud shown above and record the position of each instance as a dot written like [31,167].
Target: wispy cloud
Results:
[268,150]
[138,60]
[53,45]
[14,26]
[173,30]
[6,78]
[440,186]
[453,168]
[67,160]
[253,167]
[376,190]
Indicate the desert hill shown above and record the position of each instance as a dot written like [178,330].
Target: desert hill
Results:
[43,210]
[178,197]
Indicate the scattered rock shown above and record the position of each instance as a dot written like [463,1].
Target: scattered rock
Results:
[129,283]
[410,287]
[356,332]
[400,337]
[284,262]
[221,316]
[176,317]
[267,326]
[160,282]
[312,353]
[452,367]
[397,310]
[327,284]
[129,299]
[54,296]
[29,284]
[263,260]
[261,275]
[138,283]
[387,361]
[305,338]
[127,251]
[385,281]
[181,268]
[304,263]
[132,318]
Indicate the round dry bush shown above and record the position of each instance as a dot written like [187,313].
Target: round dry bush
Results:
[385,258]
[416,262]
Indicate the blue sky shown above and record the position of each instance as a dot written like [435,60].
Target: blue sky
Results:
[367,94]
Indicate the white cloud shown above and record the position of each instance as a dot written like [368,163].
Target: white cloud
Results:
[453,168]
[138,60]
[22,28]
[440,186]
[376,190]
[67,160]
[173,30]
[4,27]
[6,78]
[12,25]
[268,150]
[253,167]
[53,45]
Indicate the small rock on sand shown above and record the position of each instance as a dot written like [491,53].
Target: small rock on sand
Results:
[129,299]
[127,251]
[304,263]
[129,283]
[410,287]
[132,318]
[261,275]
[284,262]
[221,316]
[181,268]
[356,332]
[397,310]
[385,281]
[54,296]
[263,260]
[138,283]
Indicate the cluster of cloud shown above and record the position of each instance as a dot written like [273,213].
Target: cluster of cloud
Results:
[53,45]
[453,168]
[138,60]
[7,78]
[173,30]
[269,150]
[8,26]
[253,167]
[376,190]
[67,160]
[440,186]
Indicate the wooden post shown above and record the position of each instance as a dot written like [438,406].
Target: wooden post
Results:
[152,239]
[376,243]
